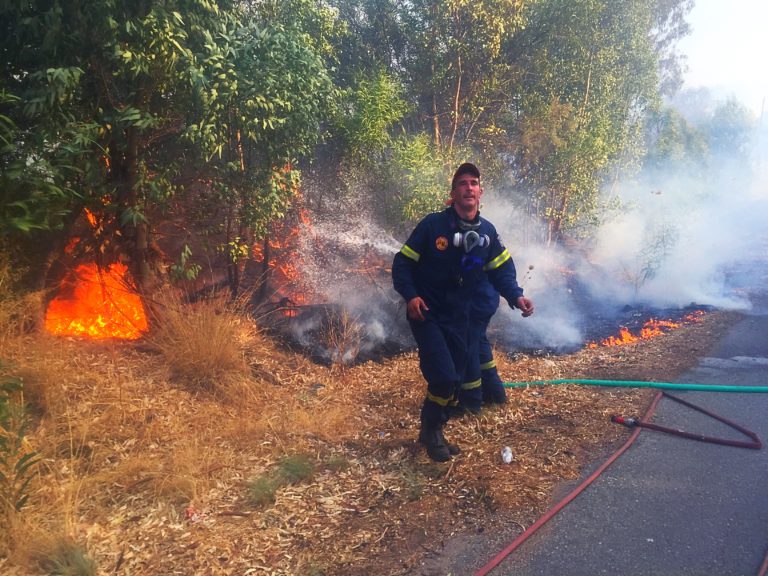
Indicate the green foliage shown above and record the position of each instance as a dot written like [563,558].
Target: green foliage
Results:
[673,143]
[289,470]
[373,106]
[68,559]
[730,128]
[296,468]
[118,106]
[594,69]
[35,178]
[659,242]
[261,491]
[459,73]
[184,269]
[419,176]
[16,460]
[124,103]
[550,94]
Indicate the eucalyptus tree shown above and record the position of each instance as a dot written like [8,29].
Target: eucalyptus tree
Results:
[104,89]
[673,144]
[457,68]
[264,90]
[730,129]
[455,79]
[122,103]
[592,71]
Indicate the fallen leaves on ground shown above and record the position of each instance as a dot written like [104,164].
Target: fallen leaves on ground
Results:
[153,478]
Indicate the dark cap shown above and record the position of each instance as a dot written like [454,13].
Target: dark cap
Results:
[466,168]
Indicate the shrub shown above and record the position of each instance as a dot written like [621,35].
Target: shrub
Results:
[202,342]
[67,558]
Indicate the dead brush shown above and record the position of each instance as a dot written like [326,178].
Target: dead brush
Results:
[203,342]
[342,337]
[19,315]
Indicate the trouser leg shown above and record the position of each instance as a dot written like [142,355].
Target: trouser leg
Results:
[470,396]
[442,358]
[493,391]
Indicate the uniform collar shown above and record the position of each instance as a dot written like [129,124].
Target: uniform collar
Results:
[465,224]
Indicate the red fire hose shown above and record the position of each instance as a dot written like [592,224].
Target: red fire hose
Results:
[636,425]
[755,444]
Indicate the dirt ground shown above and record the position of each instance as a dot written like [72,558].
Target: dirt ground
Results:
[162,488]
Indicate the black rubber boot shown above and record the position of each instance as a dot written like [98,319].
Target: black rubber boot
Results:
[459,411]
[471,401]
[493,388]
[437,448]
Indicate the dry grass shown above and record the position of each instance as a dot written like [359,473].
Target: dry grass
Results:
[202,343]
[253,460]
[343,336]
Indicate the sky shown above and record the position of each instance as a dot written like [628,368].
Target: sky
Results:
[727,50]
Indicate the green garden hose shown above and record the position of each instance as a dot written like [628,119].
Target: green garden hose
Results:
[641,384]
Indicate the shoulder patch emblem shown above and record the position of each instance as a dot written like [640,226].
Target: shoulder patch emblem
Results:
[441,243]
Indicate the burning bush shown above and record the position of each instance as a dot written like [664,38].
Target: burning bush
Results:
[97,303]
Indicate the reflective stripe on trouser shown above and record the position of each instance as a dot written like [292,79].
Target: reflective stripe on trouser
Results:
[442,360]
[471,393]
[492,384]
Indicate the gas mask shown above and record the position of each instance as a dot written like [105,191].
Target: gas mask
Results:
[470,240]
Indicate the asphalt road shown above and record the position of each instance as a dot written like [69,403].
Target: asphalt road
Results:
[671,506]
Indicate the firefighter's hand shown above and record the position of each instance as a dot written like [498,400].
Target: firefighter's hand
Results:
[415,307]
[526,305]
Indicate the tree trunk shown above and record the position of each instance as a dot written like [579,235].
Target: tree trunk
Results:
[456,101]
[555,231]
[435,119]
[136,234]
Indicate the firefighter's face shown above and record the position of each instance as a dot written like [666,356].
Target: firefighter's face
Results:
[466,193]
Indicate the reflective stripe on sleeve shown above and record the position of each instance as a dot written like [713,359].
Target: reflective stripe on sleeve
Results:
[409,252]
[498,261]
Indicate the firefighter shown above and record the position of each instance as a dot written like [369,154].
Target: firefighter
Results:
[437,272]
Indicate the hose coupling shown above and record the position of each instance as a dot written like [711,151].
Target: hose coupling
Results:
[628,422]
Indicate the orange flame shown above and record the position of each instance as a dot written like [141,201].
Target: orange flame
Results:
[100,305]
[285,261]
[651,329]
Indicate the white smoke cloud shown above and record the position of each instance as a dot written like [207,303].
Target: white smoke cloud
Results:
[544,274]
[680,237]
[677,241]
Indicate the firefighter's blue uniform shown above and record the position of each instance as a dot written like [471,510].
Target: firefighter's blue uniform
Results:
[444,261]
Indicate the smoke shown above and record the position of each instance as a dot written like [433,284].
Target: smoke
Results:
[347,260]
[545,274]
[676,240]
